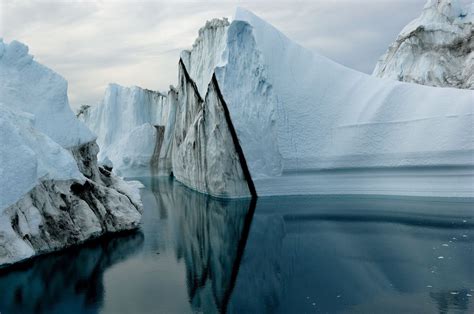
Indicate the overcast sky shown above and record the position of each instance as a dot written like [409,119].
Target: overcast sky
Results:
[92,43]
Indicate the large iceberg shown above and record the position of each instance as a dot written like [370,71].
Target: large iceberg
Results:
[304,124]
[435,49]
[309,125]
[53,194]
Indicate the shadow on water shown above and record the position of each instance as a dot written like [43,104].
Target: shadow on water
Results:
[194,253]
[67,282]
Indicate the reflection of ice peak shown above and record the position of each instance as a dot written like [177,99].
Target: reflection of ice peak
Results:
[210,235]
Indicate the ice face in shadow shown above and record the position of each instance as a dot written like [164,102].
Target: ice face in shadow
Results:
[357,255]
[68,281]
[206,154]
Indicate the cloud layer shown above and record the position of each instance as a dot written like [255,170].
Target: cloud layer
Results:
[138,42]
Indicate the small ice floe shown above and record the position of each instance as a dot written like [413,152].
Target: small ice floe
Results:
[338,296]
[440,257]
[445,244]
[314,304]
[464,235]
[464,220]
[468,295]
[307,297]
[429,286]
[454,238]
[454,292]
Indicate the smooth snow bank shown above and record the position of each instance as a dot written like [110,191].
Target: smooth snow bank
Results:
[28,156]
[435,49]
[125,123]
[30,87]
[302,113]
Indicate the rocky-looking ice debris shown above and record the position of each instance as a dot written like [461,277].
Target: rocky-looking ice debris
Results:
[53,194]
[435,49]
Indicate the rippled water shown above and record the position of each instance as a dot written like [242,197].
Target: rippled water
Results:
[282,255]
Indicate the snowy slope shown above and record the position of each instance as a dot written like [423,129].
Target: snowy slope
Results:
[329,117]
[435,49]
[52,192]
[125,126]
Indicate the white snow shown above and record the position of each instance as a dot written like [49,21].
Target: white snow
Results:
[434,49]
[124,123]
[31,87]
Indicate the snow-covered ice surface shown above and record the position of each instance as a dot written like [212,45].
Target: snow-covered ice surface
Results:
[435,49]
[125,123]
[324,118]
[53,194]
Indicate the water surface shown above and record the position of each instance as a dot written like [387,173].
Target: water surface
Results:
[308,254]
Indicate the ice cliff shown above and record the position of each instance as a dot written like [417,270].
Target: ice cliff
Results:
[435,49]
[207,155]
[127,125]
[53,194]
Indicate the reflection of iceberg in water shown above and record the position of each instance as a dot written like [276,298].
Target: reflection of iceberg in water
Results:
[209,235]
[337,254]
[66,282]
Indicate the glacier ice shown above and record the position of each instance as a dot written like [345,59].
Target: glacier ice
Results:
[125,123]
[53,194]
[435,49]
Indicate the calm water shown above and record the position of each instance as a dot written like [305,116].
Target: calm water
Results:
[283,255]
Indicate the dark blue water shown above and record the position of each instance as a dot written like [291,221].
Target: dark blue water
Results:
[279,255]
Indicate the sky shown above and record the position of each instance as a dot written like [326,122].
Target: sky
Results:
[93,43]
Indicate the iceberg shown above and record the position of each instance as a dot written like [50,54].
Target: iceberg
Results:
[300,123]
[330,129]
[435,49]
[53,193]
